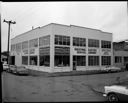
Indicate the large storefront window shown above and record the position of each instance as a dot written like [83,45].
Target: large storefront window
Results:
[33,43]
[62,40]
[80,60]
[106,60]
[93,60]
[93,43]
[118,59]
[33,60]
[62,56]
[105,44]
[25,60]
[44,53]
[45,40]
[45,60]
[61,61]
[79,41]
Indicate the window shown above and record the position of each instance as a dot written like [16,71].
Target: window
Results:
[106,60]
[80,60]
[62,40]
[18,47]
[25,45]
[62,56]
[25,60]
[45,60]
[61,60]
[33,43]
[13,47]
[93,60]
[79,41]
[44,53]
[118,59]
[93,43]
[33,60]
[45,40]
[105,44]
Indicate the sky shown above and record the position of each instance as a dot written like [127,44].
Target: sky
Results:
[106,16]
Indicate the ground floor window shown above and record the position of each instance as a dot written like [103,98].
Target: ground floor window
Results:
[25,60]
[93,60]
[62,60]
[45,60]
[106,60]
[125,59]
[33,60]
[118,59]
[80,60]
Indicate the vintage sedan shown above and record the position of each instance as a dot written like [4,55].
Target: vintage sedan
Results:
[21,70]
[111,69]
[5,67]
[116,92]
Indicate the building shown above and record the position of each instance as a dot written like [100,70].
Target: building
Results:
[59,48]
[120,52]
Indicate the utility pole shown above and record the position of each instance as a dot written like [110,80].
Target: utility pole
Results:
[9,23]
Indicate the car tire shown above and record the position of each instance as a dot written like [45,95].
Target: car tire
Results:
[113,97]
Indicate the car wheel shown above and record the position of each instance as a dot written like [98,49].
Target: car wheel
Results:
[112,97]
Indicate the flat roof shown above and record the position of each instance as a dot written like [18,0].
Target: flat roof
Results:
[61,25]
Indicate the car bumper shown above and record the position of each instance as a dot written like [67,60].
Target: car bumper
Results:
[105,95]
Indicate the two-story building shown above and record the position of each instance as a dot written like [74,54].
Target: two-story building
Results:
[59,48]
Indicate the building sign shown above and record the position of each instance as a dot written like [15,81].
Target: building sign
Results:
[62,50]
[106,52]
[25,51]
[92,51]
[44,51]
[80,50]
[32,51]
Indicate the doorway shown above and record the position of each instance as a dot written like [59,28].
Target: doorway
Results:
[12,61]
[74,63]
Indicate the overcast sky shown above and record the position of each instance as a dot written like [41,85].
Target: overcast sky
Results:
[106,16]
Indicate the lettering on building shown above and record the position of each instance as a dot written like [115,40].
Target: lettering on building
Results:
[92,51]
[80,50]
[32,51]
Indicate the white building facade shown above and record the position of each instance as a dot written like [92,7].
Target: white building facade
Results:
[60,48]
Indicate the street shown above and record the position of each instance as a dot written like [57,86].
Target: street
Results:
[56,89]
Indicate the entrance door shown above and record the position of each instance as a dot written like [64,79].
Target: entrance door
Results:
[12,60]
[74,63]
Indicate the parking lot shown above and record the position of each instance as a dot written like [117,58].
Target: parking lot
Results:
[17,88]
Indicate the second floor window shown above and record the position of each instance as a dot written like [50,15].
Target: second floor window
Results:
[62,40]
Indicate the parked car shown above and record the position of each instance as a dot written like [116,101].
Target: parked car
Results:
[116,92]
[111,69]
[21,70]
[13,68]
[5,66]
